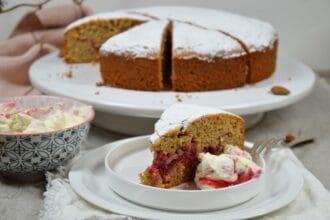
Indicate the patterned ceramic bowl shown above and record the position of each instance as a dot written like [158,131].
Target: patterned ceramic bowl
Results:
[34,153]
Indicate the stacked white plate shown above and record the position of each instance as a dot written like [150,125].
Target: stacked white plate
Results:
[112,183]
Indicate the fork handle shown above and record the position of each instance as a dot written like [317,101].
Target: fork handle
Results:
[300,143]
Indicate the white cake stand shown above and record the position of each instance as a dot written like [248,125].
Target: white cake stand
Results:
[134,112]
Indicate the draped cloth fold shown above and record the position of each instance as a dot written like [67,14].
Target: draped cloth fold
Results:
[36,34]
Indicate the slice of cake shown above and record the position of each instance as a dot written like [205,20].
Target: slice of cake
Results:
[135,58]
[184,131]
[83,38]
[206,59]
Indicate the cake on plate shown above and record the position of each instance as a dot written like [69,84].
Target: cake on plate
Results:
[184,131]
[212,51]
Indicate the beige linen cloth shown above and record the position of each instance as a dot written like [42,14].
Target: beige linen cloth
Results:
[36,34]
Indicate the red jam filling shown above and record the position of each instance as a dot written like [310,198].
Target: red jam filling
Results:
[221,183]
[163,163]
[187,155]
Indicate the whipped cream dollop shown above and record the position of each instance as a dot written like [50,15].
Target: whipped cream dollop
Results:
[36,120]
[232,167]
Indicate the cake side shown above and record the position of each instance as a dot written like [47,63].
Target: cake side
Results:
[181,134]
[134,59]
[196,75]
[82,43]
[205,60]
[131,73]
[262,64]
[84,37]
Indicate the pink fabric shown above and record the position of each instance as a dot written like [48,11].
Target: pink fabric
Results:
[35,35]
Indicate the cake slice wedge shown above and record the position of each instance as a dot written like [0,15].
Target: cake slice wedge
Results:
[135,58]
[184,131]
[206,59]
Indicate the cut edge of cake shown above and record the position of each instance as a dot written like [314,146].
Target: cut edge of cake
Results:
[199,66]
[84,37]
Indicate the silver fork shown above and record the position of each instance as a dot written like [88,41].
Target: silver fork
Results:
[259,147]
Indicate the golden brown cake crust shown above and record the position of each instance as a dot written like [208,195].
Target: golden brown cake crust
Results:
[198,75]
[262,64]
[131,73]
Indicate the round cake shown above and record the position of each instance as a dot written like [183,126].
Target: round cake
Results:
[174,48]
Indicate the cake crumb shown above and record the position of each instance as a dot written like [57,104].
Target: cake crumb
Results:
[97,93]
[68,74]
[280,90]
[60,75]
[189,96]
[100,84]
[178,98]
[289,138]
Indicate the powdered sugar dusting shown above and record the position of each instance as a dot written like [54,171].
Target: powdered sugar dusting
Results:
[256,35]
[194,42]
[189,40]
[107,16]
[143,41]
[180,116]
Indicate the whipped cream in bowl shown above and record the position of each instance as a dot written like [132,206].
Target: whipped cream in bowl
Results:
[16,119]
[40,133]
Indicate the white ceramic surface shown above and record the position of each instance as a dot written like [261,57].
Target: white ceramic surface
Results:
[283,182]
[125,161]
[49,74]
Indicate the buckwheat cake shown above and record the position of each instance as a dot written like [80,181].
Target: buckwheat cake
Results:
[201,49]
[184,131]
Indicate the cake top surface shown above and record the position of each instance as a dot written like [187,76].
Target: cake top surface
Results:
[180,116]
[107,16]
[142,41]
[197,45]
[256,34]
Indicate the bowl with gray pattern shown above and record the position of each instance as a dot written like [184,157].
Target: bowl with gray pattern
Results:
[29,154]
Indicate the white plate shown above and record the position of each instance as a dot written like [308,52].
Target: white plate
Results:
[125,161]
[283,182]
[48,74]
